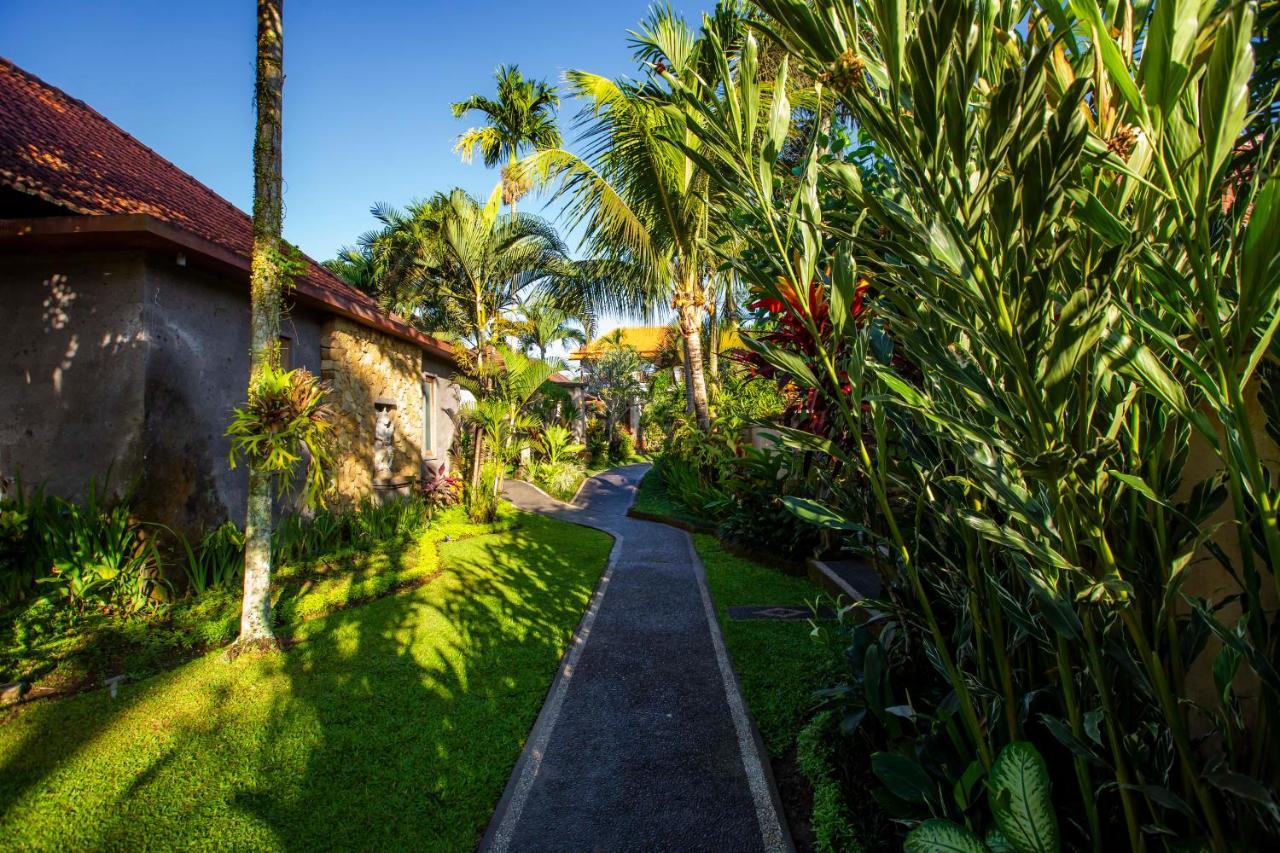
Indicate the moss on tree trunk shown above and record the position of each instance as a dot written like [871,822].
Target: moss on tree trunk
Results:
[266,285]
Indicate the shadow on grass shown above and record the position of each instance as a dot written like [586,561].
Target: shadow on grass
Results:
[393,724]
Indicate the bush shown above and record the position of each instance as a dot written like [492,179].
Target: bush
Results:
[623,447]
[559,479]
[482,499]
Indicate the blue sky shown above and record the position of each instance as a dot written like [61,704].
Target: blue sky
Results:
[367,91]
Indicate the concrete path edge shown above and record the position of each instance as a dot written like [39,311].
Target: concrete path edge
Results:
[764,789]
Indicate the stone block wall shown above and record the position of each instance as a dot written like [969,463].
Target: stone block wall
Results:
[368,369]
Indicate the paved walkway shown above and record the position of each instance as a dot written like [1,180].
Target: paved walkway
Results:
[644,742]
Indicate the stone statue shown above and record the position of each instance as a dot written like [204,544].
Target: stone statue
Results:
[384,436]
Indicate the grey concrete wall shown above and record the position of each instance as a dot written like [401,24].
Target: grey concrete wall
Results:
[74,350]
[198,326]
[124,360]
[448,404]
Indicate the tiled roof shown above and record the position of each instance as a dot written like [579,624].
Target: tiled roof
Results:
[648,341]
[61,150]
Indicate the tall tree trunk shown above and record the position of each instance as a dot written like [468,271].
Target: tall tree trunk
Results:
[694,378]
[713,356]
[477,435]
[266,284]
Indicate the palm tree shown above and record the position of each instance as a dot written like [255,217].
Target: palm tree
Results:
[266,285]
[640,191]
[521,118]
[543,323]
[454,266]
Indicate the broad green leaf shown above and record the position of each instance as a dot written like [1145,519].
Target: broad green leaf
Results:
[1139,485]
[942,836]
[1166,55]
[1101,221]
[903,776]
[819,515]
[1224,95]
[1018,790]
[1090,12]
[1260,256]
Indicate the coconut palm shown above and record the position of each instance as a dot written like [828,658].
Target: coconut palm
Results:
[454,266]
[542,323]
[521,118]
[640,192]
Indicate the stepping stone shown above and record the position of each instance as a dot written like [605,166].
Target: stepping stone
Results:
[780,611]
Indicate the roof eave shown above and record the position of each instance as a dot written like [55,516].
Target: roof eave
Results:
[142,231]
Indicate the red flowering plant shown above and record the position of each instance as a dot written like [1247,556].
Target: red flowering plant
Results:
[802,324]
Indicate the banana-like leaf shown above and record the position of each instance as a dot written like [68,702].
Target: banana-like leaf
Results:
[942,836]
[1224,96]
[819,515]
[1021,803]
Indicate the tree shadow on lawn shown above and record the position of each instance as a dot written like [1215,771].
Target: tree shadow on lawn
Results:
[394,724]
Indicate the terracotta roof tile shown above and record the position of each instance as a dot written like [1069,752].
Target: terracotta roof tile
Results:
[62,150]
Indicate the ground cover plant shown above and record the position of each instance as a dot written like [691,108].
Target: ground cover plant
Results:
[391,724]
[80,634]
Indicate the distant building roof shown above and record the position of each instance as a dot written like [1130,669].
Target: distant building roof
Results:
[61,150]
[648,341]
[560,379]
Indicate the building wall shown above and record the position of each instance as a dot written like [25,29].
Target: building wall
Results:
[369,370]
[72,376]
[197,371]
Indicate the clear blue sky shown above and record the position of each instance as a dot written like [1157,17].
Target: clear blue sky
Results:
[367,91]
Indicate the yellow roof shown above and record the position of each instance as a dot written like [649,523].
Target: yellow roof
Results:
[646,340]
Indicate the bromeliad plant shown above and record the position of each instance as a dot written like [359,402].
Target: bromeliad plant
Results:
[1035,314]
[286,422]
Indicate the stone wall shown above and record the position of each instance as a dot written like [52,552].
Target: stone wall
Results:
[369,370]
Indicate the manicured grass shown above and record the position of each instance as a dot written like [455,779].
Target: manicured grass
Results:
[780,665]
[393,724]
[778,662]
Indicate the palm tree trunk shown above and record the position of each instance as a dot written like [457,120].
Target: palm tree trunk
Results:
[713,356]
[694,379]
[266,284]
[477,435]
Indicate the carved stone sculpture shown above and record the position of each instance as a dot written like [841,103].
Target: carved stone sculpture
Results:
[384,435]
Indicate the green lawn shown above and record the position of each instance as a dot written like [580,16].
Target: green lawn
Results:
[391,724]
[778,663]
[780,666]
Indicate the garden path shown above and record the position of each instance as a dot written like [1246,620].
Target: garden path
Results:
[644,742]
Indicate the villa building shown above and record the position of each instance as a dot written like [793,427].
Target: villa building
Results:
[124,316]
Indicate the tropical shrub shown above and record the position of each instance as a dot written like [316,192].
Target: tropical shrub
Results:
[96,554]
[559,479]
[440,491]
[481,500]
[216,561]
[1026,312]
[556,444]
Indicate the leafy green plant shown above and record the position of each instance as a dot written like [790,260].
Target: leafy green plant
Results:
[1025,294]
[99,554]
[559,479]
[216,561]
[1018,794]
[482,500]
[286,422]
[556,444]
